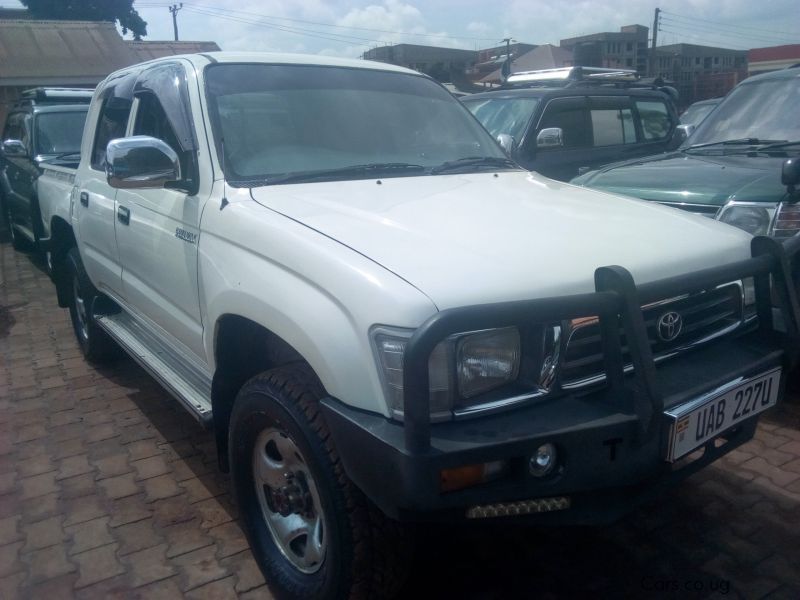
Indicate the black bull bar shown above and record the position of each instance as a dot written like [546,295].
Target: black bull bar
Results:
[773,265]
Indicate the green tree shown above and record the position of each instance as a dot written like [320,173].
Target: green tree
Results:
[90,10]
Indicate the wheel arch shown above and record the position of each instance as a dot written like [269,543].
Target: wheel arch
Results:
[62,238]
[243,348]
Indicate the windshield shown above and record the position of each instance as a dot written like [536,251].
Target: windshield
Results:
[59,132]
[278,122]
[503,115]
[695,114]
[763,110]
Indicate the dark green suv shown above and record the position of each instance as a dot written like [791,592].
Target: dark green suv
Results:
[730,167]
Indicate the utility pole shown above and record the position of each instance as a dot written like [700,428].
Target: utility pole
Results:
[174,10]
[655,39]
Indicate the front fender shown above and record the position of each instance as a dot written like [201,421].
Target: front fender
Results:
[316,294]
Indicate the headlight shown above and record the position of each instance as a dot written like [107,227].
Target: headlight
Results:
[752,218]
[464,368]
[487,360]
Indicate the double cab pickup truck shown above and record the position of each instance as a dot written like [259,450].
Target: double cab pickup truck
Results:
[44,127]
[385,320]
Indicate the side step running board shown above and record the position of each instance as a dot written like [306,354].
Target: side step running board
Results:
[190,387]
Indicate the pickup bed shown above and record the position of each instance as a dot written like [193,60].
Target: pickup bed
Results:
[384,319]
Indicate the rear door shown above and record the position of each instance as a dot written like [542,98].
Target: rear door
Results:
[94,207]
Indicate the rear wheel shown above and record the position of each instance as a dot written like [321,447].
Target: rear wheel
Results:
[94,343]
[313,533]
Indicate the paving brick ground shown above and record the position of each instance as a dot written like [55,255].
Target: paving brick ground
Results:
[108,489]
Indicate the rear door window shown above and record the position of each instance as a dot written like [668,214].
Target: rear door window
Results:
[612,121]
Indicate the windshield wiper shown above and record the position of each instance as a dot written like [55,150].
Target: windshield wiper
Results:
[471,162]
[739,142]
[370,170]
[66,154]
[782,144]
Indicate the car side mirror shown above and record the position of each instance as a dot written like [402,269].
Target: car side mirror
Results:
[506,142]
[550,137]
[14,148]
[790,174]
[682,132]
[141,162]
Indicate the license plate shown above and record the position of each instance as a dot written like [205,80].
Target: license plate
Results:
[693,424]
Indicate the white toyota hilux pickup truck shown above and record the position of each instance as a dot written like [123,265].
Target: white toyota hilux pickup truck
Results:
[384,319]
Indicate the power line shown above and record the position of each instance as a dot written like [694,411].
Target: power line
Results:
[719,34]
[728,25]
[333,37]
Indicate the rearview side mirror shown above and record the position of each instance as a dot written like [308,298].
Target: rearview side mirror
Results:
[141,162]
[550,137]
[14,148]
[682,132]
[506,142]
[790,173]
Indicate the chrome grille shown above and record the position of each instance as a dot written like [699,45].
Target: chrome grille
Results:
[703,316]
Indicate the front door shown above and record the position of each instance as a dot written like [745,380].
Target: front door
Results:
[157,236]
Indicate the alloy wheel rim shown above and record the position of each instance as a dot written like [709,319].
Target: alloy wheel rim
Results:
[289,499]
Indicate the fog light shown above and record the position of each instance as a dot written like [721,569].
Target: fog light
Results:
[543,460]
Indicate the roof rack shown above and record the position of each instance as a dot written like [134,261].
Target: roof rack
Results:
[56,94]
[571,75]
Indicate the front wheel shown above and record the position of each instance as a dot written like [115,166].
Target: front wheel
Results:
[312,532]
[94,343]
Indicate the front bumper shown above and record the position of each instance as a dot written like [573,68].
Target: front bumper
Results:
[611,442]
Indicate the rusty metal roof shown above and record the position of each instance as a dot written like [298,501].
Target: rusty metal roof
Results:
[148,50]
[74,52]
[40,52]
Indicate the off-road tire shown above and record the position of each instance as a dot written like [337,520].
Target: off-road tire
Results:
[95,344]
[367,554]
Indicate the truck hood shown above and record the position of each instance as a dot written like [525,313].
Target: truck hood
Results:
[480,238]
[694,179]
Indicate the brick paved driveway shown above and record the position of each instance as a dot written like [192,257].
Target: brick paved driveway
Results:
[108,488]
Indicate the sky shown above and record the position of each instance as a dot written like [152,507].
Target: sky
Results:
[350,27]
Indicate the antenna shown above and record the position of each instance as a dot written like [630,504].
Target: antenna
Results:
[224,202]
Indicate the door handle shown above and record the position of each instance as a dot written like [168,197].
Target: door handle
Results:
[123,215]
[85,198]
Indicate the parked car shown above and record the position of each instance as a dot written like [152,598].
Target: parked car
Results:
[384,319]
[562,121]
[731,166]
[698,111]
[44,126]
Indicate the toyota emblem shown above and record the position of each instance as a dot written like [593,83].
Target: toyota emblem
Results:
[669,326]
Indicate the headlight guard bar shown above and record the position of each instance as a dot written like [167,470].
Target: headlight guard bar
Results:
[774,265]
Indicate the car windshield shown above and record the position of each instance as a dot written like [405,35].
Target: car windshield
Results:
[762,110]
[695,114]
[59,132]
[503,115]
[293,123]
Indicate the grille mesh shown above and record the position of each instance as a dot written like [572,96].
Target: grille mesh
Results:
[703,315]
